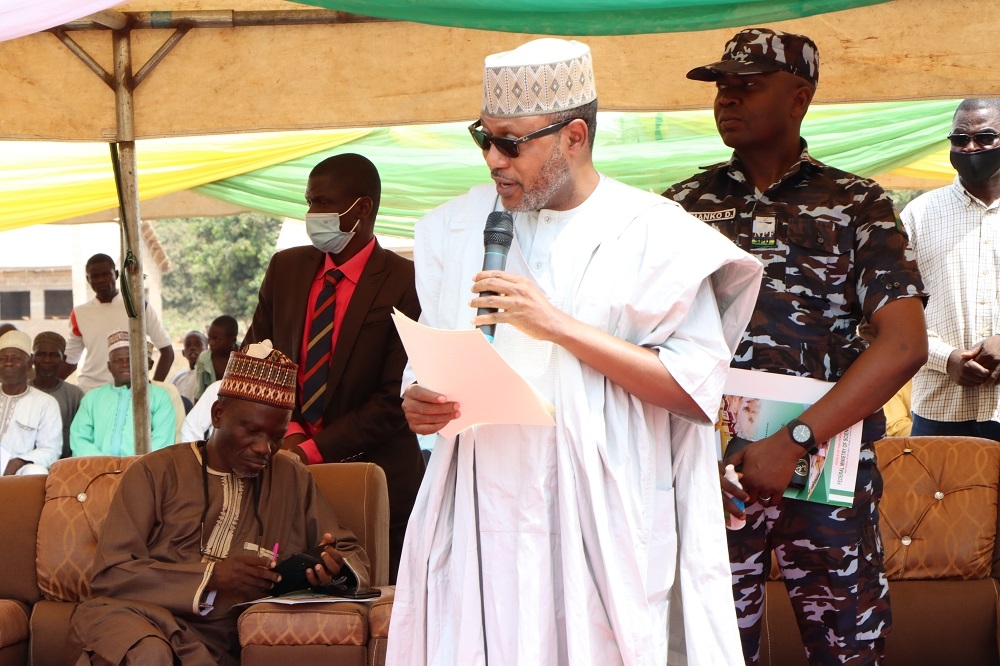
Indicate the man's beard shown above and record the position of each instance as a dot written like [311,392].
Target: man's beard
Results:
[249,474]
[552,177]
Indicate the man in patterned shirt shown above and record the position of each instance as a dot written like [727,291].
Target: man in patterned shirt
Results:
[833,256]
[955,234]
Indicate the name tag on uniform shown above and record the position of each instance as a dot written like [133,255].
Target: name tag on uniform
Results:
[763,232]
[715,215]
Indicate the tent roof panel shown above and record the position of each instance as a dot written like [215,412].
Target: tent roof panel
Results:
[223,80]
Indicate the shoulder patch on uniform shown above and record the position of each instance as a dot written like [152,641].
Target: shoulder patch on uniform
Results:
[715,215]
[899,222]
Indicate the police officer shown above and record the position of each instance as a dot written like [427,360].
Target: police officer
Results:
[834,255]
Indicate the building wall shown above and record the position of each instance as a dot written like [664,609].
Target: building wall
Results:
[53,257]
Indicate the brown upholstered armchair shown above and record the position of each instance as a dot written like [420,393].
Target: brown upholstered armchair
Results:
[342,633]
[939,529]
[49,534]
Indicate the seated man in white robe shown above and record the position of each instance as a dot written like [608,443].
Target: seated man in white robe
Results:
[574,544]
[30,420]
[190,531]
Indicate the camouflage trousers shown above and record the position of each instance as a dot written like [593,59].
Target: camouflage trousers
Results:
[831,561]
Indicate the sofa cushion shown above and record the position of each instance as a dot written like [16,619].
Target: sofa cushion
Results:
[269,655]
[337,623]
[379,612]
[78,492]
[21,498]
[13,622]
[49,626]
[939,506]
[378,626]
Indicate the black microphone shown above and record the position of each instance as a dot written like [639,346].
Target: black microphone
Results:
[497,237]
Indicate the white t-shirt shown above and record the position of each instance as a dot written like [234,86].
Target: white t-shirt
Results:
[89,326]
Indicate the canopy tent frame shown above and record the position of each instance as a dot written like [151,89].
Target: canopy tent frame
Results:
[124,83]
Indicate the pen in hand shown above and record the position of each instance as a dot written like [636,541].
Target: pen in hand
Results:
[274,552]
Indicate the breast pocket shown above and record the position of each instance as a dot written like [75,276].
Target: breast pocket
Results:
[377,316]
[20,437]
[820,253]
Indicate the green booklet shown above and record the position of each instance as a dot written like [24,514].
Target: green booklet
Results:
[756,404]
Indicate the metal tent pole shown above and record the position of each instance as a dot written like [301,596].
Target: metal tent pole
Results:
[131,266]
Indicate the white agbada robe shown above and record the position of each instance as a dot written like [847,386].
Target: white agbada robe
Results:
[580,524]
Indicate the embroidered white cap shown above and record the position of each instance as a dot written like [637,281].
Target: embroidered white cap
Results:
[542,76]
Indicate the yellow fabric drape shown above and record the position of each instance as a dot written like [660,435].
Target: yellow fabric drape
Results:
[76,179]
[935,166]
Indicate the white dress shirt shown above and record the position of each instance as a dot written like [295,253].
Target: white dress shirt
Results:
[956,239]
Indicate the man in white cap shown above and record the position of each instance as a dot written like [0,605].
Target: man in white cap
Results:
[30,422]
[103,425]
[573,544]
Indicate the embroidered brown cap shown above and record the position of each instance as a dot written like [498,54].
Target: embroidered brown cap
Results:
[760,51]
[53,337]
[260,373]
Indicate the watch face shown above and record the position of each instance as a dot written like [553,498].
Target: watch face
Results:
[801,433]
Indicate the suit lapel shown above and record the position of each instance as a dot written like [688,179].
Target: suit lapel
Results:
[297,299]
[372,277]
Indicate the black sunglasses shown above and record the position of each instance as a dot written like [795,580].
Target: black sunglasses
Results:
[983,139]
[509,147]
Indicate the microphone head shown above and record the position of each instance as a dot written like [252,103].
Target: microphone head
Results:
[499,229]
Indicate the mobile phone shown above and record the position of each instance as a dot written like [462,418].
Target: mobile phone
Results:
[368,593]
[293,571]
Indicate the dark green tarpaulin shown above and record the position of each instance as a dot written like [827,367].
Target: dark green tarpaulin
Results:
[591,17]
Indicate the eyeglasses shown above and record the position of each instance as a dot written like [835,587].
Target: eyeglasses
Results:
[983,139]
[509,147]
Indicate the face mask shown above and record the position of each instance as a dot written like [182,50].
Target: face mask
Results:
[976,168]
[324,230]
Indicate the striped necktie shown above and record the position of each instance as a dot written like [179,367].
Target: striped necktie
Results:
[320,350]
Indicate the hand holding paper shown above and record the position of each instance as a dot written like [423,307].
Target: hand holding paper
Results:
[463,366]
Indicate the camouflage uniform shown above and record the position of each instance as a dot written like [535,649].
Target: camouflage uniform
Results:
[833,253]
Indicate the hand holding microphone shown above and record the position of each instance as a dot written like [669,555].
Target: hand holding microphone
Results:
[523,305]
[497,237]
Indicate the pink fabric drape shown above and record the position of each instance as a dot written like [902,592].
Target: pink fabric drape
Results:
[24,17]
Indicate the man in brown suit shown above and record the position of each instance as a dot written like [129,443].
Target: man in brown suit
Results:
[348,404]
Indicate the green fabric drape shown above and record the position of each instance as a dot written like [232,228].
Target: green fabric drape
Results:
[424,166]
[591,17]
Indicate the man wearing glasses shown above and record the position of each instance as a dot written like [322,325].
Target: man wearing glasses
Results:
[573,544]
[955,232]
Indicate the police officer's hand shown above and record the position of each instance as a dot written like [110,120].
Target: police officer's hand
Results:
[767,466]
[963,368]
[734,490]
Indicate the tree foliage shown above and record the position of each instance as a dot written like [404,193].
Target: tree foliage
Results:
[217,266]
[902,197]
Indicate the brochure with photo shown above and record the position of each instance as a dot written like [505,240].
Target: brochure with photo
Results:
[755,405]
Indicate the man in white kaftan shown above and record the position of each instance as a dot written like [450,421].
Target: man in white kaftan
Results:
[30,421]
[624,311]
